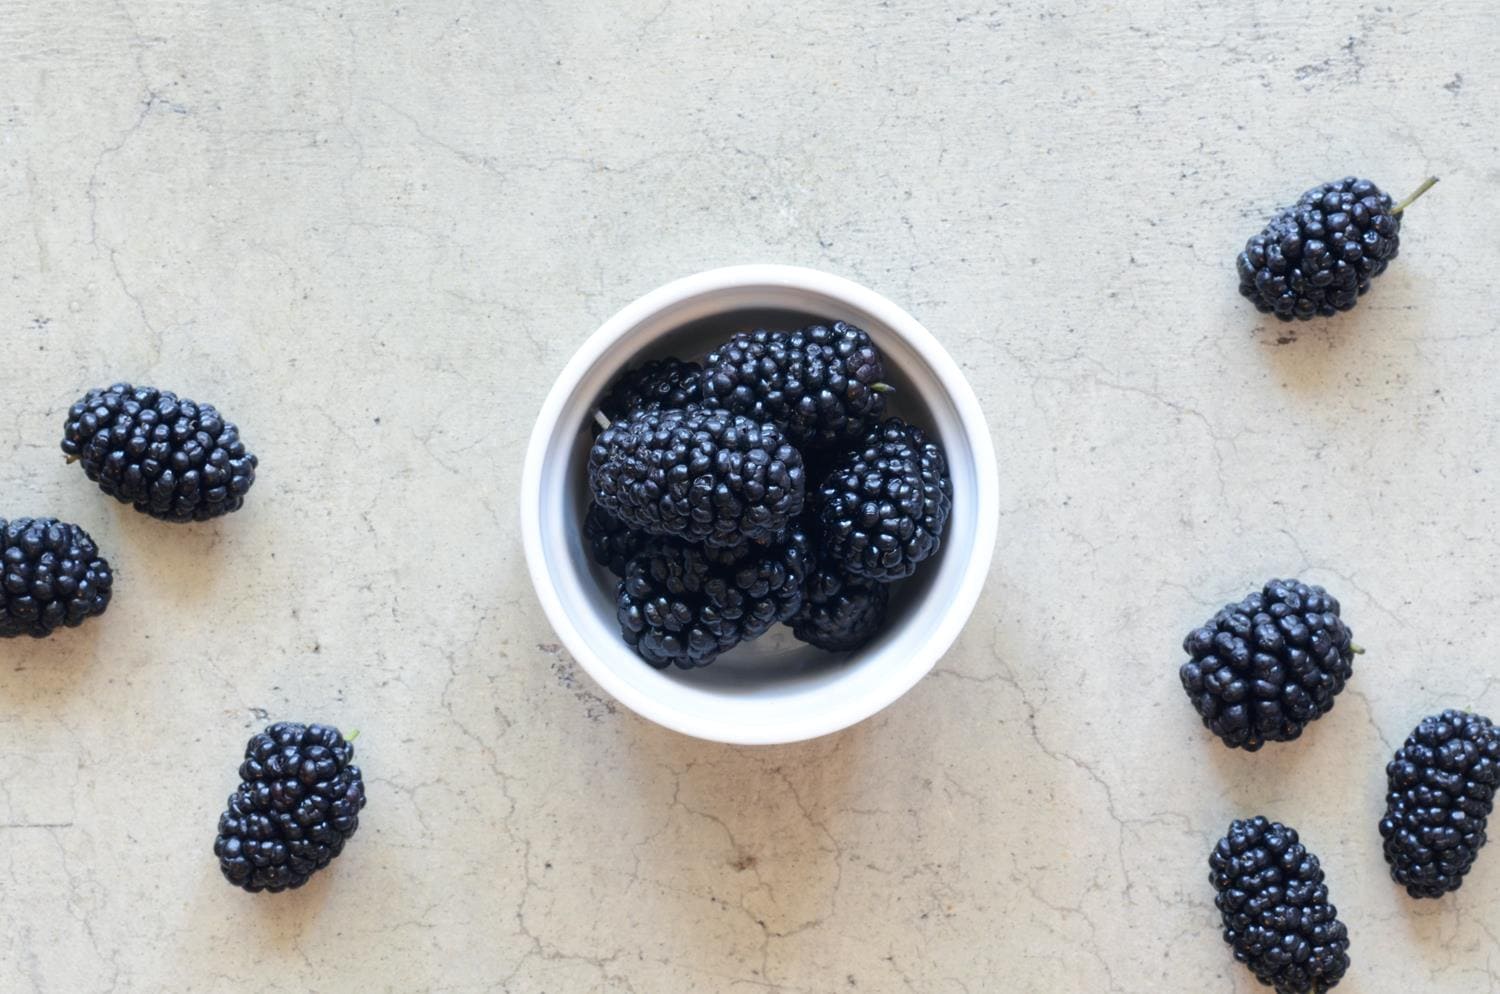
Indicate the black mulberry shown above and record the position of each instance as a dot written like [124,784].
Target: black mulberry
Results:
[1263,669]
[840,612]
[298,802]
[883,507]
[698,475]
[1442,789]
[1318,256]
[1274,905]
[653,386]
[51,576]
[684,605]
[820,385]
[169,457]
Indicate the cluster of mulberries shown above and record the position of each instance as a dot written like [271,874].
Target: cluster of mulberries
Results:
[299,795]
[1261,670]
[762,485]
[169,457]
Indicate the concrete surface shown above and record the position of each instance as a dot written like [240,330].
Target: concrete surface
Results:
[372,233]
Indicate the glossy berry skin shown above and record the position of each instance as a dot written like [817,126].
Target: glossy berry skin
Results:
[168,457]
[611,542]
[653,386]
[51,576]
[298,802]
[883,507]
[1262,670]
[1274,906]
[1318,257]
[1441,791]
[684,605]
[840,612]
[698,475]
[821,385]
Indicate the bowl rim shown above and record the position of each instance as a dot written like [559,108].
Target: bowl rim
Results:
[970,418]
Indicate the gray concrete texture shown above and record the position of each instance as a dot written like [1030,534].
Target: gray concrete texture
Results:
[372,233]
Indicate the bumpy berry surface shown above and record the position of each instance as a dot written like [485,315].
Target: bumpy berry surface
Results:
[1441,792]
[653,386]
[51,576]
[699,475]
[167,456]
[1275,909]
[883,507]
[683,605]
[817,384]
[1317,257]
[1263,669]
[840,612]
[298,802]
[611,541]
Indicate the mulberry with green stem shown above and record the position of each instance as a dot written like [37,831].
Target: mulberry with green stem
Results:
[297,804]
[1318,256]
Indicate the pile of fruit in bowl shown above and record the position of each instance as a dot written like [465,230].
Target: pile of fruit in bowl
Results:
[763,484]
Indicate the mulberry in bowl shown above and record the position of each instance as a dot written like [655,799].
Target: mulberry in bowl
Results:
[774,688]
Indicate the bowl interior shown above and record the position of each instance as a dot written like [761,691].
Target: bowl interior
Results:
[775,681]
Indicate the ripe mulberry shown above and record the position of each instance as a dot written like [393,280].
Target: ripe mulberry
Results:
[298,802]
[684,605]
[698,475]
[883,507]
[1274,905]
[1262,670]
[51,576]
[1441,792]
[1317,257]
[820,385]
[167,456]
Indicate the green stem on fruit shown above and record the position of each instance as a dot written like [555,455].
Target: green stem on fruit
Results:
[601,420]
[353,734]
[882,388]
[1426,185]
[70,460]
[1358,650]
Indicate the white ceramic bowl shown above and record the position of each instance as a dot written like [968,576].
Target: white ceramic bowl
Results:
[774,689]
